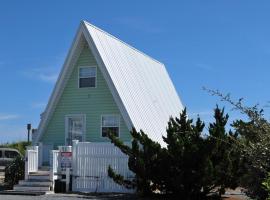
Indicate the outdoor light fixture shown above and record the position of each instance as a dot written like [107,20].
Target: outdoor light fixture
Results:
[28,130]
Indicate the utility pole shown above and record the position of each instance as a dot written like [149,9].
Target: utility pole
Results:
[28,129]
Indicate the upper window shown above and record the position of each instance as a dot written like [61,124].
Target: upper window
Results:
[87,77]
[110,124]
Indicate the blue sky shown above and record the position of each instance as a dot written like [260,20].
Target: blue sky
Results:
[222,45]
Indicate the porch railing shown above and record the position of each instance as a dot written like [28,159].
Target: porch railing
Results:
[31,160]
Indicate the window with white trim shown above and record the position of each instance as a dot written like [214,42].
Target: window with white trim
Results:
[110,124]
[87,77]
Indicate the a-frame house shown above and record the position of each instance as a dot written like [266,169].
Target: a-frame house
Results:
[106,85]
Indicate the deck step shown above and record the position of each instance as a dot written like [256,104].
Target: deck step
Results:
[40,173]
[35,183]
[24,193]
[39,177]
[44,168]
[37,180]
[31,188]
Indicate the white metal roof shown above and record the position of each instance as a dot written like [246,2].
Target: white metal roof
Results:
[140,85]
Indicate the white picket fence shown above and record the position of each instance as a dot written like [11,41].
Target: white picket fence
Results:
[90,162]
[31,163]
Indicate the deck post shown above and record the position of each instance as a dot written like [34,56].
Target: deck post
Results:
[67,179]
[26,166]
[40,154]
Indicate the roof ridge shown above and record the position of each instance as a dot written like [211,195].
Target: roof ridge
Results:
[88,23]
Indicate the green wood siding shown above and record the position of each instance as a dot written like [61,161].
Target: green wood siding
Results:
[93,102]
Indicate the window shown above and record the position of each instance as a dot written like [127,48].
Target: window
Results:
[110,124]
[87,77]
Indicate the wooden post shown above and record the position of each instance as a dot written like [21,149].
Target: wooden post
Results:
[74,162]
[26,166]
[40,154]
[67,179]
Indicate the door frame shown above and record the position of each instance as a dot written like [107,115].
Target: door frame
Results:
[83,116]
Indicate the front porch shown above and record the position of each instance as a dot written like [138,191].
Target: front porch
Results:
[82,166]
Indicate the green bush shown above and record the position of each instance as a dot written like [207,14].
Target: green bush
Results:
[14,171]
[266,185]
[191,166]
[253,145]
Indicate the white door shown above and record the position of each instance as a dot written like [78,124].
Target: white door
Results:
[75,128]
[46,150]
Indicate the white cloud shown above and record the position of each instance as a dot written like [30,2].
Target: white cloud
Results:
[47,71]
[8,117]
[38,105]
[48,77]
[43,74]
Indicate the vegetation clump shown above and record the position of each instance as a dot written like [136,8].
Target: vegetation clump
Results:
[14,171]
[253,144]
[191,166]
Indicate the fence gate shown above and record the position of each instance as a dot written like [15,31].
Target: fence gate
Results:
[90,163]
